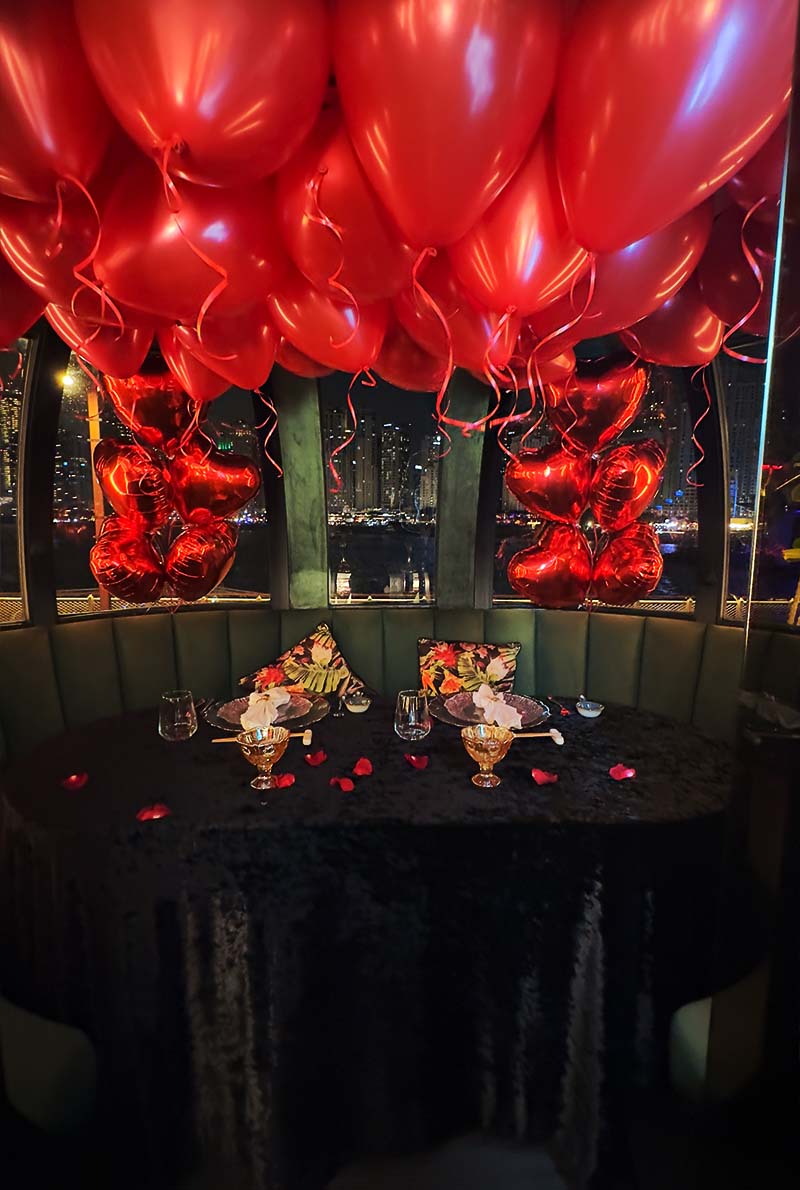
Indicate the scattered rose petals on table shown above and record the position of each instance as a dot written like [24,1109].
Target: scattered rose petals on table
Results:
[284,780]
[416,762]
[75,781]
[149,813]
[621,772]
[315,758]
[362,767]
[344,783]
[544,778]
[563,711]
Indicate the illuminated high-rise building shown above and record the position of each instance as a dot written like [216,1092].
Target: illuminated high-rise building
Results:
[395,456]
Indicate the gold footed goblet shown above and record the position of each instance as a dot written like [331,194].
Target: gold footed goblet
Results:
[263,747]
[486,743]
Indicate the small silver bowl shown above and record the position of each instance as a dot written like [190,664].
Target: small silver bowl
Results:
[589,709]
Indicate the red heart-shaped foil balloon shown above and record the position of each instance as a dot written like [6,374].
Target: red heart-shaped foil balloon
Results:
[154,407]
[133,483]
[592,407]
[550,483]
[628,567]
[555,572]
[199,559]
[209,484]
[125,563]
[626,480]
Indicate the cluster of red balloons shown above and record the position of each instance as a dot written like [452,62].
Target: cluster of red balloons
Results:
[484,182]
[559,481]
[171,497]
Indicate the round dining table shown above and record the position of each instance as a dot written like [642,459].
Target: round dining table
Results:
[274,989]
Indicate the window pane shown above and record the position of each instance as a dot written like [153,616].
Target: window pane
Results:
[79,507]
[13,369]
[382,520]
[664,416]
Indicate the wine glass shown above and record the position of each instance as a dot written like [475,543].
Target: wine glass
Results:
[487,743]
[177,717]
[412,719]
[263,747]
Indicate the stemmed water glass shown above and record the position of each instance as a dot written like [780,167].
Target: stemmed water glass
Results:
[177,717]
[412,718]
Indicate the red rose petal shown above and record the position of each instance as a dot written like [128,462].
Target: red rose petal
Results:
[315,758]
[541,777]
[621,772]
[416,762]
[564,711]
[284,780]
[344,783]
[362,767]
[149,813]
[75,781]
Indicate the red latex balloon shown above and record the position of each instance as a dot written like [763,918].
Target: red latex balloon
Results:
[550,483]
[44,245]
[521,252]
[474,330]
[628,567]
[596,404]
[145,258]
[405,364]
[630,283]
[301,365]
[727,282]
[54,123]
[126,564]
[683,333]
[154,407]
[442,101]
[234,87]
[555,572]
[336,333]
[199,559]
[201,382]
[374,263]
[133,483]
[115,352]
[20,307]
[626,480]
[241,349]
[762,177]
[210,484]
[660,102]
[555,363]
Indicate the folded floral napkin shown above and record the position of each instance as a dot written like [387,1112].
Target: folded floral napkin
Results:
[492,703]
[263,707]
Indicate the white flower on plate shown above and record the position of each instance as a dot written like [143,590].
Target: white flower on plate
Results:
[496,670]
[484,695]
[263,707]
[321,654]
[495,708]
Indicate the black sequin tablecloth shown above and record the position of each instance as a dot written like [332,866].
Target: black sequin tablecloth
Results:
[275,989]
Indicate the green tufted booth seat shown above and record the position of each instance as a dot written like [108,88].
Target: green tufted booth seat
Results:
[82,670]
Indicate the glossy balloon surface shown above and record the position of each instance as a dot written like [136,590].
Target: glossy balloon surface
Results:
[107,348]
[210,484]
[442,100]
[660,102]
[628,567]
[683,333]
[20,307]
[199,559]
[404,364]
[126,564]
[296,362]
[556,571]
[762,177]
[595,404]
[337,334]
[550,483]
[133,483]
[240,348]
[153,406]
[625,482]
[726,278]
[200,382]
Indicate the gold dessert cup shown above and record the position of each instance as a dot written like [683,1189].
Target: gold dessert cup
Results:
[487,744]
[263,747]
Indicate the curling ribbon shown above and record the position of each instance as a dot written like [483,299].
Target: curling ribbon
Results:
[759,276]
[435,308]
[272,415]
[691,482]
[85,282]
[318,216]
[367,379]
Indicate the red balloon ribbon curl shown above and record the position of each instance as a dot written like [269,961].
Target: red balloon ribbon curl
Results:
[421,292]
[173,200]
[491,372]
[272,416]
[503,423]
[367,379]
[84,281]
[759,276]
[701,454]
[562,330]
[318,216]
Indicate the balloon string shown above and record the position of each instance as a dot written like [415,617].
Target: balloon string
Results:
[507,421]
[369,381]
[692,483]
[436,310]
[318,216]
[175,205]
[561,330]
[272,415]
[759,276]
[56,245]
[85,282]
[490,371]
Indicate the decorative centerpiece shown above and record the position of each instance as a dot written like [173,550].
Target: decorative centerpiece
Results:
[496,708]
[263,707]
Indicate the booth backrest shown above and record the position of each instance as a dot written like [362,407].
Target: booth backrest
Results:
[79,671]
